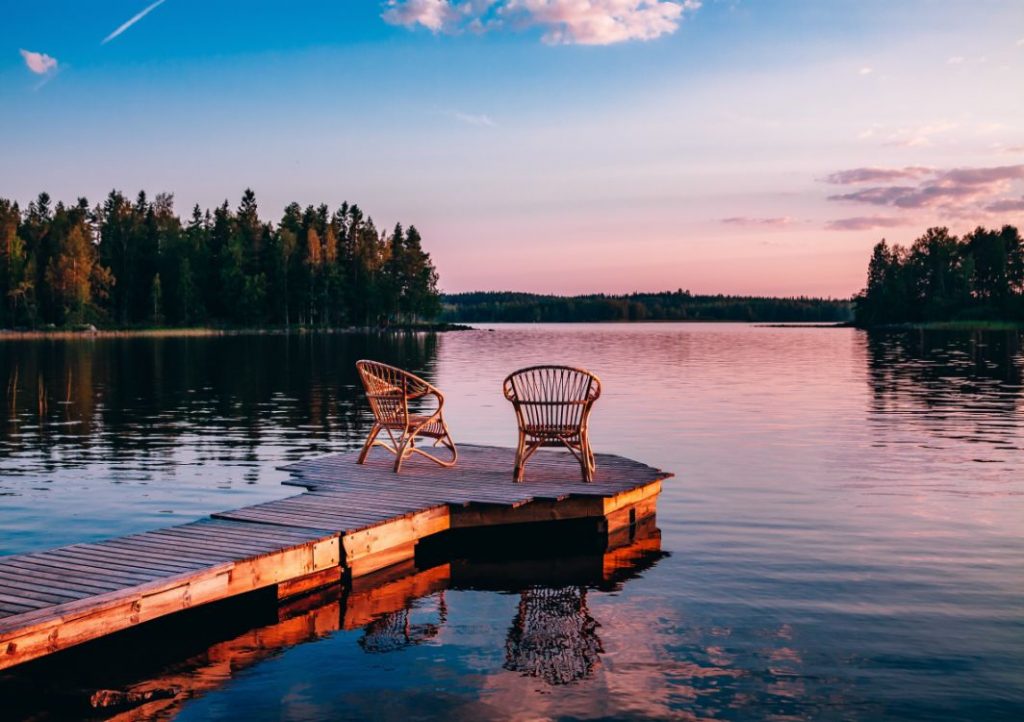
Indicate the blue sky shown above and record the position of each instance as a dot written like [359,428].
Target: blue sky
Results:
[550,145]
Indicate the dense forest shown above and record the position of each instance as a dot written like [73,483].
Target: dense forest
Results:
[135,263]
[484,307]
[941,277]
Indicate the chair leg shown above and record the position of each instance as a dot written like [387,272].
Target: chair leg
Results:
[587,463]
[369,443]
[517,472]
[400,456]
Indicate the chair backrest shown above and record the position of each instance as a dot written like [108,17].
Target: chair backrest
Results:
[388,389]
[552,396]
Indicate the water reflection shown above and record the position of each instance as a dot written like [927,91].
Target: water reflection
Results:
[123,396]
[395,630]
[956,386]
[553,636]
[979,372]
[845,522]
[120,435]
[135,675]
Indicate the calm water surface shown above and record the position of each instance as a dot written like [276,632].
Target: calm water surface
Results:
[844,536]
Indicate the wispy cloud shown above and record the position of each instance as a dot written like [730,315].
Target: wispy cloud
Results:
[1006,205]
[864,223]
[132,20]
[921,135]
[480,120]
[582,22]
[866,70]
[434,15]
[959,192]
[875,175]
[38,63]
[751,221]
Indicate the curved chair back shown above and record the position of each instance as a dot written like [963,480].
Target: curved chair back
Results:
[552,399]
[388,391]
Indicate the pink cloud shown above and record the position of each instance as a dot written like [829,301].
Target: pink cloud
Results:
[875,175]
[1006,205]
[603,22]
[954,190]
[776,222]
[434,15]
[38,63]
[864,223]
[583,22]
[983,176]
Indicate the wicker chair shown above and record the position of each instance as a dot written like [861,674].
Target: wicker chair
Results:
[389,391]
[552,405]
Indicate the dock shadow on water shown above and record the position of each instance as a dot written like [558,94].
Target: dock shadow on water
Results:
[551,639]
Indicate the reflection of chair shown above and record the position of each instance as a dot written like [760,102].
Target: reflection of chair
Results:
[394,631]
[552,405]
[553,636]
[389,391]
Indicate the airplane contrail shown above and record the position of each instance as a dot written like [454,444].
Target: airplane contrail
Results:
[134,19]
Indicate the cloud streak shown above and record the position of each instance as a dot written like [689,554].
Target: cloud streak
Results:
[1006,205]
[876,175]
[132,20]
[864,223]
[564,22]
[750,221]
[479,120]
[960,192]
[38,63]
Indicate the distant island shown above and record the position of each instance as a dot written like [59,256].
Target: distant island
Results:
[136,264]
[679,305]
[945,280]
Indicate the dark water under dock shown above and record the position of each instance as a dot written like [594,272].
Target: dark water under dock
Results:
[843,537]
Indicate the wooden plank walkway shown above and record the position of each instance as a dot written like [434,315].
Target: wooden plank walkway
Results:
[352,519]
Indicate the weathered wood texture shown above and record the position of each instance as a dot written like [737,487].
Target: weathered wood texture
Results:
[360,518]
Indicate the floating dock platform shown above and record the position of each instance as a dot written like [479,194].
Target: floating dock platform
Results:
[350,521]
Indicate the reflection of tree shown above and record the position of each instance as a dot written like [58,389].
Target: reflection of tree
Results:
[394,630]
[974,376]
[553,636]
[122,399]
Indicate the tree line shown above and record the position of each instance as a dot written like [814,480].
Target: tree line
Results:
[679,305]
[942,277]
[134,262]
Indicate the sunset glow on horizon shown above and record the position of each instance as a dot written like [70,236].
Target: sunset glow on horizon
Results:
[555,146]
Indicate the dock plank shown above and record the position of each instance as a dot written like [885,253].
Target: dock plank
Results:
[351,517]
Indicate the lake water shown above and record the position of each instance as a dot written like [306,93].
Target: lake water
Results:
[844,537]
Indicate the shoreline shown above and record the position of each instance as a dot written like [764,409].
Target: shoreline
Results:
[947,326]
[201,331]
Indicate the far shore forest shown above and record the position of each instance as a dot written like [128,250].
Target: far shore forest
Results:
[135,264]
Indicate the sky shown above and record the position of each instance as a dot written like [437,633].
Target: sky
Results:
[562,146]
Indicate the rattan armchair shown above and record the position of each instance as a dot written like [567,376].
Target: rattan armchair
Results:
[389,391]
[552,405]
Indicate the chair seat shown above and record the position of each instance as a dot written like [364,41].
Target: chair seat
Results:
[552,406]
[389,390]
[553,431]
[434,429]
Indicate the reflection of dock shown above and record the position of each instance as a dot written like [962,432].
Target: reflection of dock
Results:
[352,520]
[373,603]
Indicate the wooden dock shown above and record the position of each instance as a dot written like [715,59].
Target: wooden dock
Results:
[351,520]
